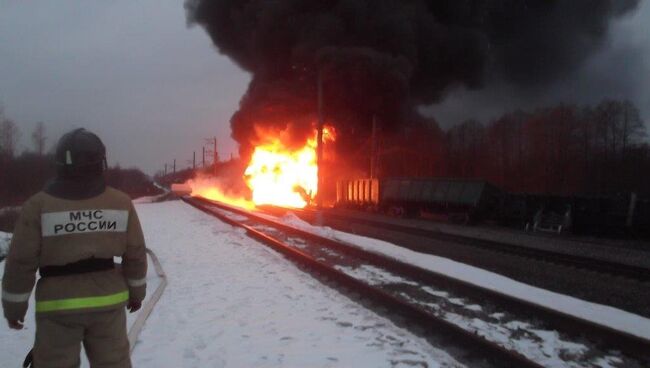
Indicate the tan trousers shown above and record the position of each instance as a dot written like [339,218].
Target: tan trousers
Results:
[59,338]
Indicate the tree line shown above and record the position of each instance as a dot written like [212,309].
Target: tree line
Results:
[24,174]
[563,150]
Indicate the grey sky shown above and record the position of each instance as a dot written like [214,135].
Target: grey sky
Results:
[153,89]
[129,70]
[621,70]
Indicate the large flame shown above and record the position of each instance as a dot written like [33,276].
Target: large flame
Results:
[212,188]
[276,174]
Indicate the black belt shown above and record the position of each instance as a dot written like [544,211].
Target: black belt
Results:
[79,267]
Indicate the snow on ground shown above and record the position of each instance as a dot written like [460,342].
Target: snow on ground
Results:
[232,302]
[597,313]
[5,239]
[546,347]
[148,199]
[153,198]
[161,187]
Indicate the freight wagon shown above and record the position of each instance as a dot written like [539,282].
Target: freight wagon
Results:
[613,215]
[469,201]
[463,200]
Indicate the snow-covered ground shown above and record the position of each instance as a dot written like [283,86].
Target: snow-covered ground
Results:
[148,199]
[232,302]
[514,332]
[5,239]
[597,313]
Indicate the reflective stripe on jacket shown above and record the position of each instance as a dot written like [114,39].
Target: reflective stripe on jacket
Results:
[53,232]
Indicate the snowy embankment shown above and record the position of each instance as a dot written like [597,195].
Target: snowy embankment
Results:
[597,313]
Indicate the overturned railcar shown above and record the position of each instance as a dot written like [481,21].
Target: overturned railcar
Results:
[619,215]
[465,200]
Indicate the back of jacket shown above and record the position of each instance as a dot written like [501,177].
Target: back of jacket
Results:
[56,232]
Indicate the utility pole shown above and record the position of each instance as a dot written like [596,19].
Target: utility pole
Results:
[215,154]
[319,150]
[174,166]
[203,159]
[194,160]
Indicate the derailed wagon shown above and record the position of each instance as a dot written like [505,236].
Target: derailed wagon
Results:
[462,200]
[475,200]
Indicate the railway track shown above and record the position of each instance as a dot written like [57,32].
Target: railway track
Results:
[488,327]
[617,269]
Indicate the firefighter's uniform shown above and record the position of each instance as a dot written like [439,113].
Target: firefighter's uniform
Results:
[81,295]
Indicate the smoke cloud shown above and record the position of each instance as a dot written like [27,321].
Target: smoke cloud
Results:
[387,57]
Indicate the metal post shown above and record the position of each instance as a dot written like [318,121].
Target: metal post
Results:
[215,157]
[194,160]
[319,151]
[203,162]
[174,166]
[630,210]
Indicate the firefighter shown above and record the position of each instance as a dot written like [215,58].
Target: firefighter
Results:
[70,233]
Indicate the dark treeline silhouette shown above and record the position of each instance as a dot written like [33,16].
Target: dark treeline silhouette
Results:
[23,175]
[563,150]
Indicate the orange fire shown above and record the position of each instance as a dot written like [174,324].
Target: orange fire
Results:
[276,174]
[214,189]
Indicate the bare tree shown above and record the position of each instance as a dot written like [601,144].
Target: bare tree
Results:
[9,134]
[465,143]
[39,138]
[633,129]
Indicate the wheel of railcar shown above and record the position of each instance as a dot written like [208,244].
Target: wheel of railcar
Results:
[397,211]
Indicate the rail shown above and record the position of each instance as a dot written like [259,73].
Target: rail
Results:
[575,326]
[586,263]
[495,353]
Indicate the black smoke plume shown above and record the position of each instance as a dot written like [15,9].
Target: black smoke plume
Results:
[386,57]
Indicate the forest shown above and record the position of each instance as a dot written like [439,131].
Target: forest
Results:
[562,150]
